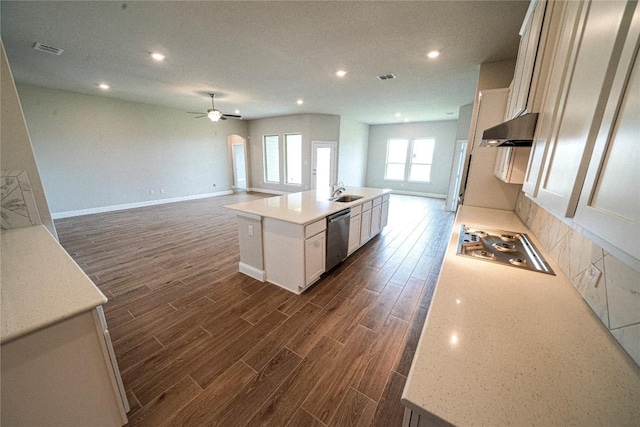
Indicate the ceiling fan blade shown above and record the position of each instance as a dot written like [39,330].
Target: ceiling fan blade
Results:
[231,116]
[199,117]
[191,112]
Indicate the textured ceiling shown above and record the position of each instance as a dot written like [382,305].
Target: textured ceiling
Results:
[260,57]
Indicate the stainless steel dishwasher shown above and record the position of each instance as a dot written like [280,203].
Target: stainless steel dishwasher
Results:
[337,238]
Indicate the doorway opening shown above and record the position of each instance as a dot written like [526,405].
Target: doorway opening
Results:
[239,161]
[324,165]
[455,181]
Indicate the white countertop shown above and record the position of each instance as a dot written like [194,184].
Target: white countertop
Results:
[505,346]
[41,284]
[305,207]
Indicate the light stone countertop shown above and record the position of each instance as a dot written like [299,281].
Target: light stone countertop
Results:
[304,207]
[505,346]
[41,283]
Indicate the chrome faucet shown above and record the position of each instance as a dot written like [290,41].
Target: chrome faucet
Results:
[337,189]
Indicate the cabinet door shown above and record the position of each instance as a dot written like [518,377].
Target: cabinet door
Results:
[384,217]
[314,257]
[365,226]
[376,212]
[572,139]
[569,18]
[528,58]
[354,233]
[609,204]
[511,164]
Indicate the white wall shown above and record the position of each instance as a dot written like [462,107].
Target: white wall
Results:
[312,127]
[97,152]
[352,156]
[444,133]
[17,151]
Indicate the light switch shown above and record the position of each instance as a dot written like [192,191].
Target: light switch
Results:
[251,230]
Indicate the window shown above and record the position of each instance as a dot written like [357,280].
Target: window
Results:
[271,158]
[293,155]
[409,159]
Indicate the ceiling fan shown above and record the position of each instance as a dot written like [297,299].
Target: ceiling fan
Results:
[213,114]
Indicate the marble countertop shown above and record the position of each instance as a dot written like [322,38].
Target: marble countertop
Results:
[505,346]
[304,207]
[41,284]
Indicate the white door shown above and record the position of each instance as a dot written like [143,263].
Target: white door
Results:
[324,169]
[455,182]
[239,166]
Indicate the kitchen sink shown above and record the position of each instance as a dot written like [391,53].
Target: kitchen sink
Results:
[346,198]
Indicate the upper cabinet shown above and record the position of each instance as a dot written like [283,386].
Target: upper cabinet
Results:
[587,55]
[529,65]
[609,204]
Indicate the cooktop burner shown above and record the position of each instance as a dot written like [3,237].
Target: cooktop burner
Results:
[502,247]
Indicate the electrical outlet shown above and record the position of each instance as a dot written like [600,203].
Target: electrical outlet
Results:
[162,191]
[151,192]
[251,230]
[592,275]
[215,185]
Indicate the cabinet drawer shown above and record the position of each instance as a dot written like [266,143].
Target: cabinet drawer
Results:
[356,210]
[315,228]
[377,201]
[366,206]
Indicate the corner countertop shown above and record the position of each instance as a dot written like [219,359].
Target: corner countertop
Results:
[41,283]
[304,207]
[505,346]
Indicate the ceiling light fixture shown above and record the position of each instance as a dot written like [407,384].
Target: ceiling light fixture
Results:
[214,115]
[341,73]
[104,86]
[157,56]
[299,102]
[237,111]
[433,54]
[398,114]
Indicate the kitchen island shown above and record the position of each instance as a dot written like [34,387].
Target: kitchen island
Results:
[507,346]
[283,238]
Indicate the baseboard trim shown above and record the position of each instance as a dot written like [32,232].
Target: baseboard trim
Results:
[416,193]
[253,272]
[80,212]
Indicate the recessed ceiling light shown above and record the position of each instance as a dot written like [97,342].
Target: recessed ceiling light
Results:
[104,86]
[406,120]
[398,114]
[157,56]
[237,112]
[433,54]
[300,102]
[341,73]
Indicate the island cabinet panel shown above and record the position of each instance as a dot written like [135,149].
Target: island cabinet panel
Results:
[365,223]
[384,216]
[609,204]
[292,260]
[354,232]
[578,115]
[251,251]
[376,213]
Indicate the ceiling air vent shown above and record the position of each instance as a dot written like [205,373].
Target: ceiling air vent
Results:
[386,76]
[49,49]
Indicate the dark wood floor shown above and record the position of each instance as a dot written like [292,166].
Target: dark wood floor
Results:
[200,344]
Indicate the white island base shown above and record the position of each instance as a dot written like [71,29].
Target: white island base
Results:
[283,238]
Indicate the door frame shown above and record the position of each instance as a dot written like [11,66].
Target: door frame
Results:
[237,140]
[455,179]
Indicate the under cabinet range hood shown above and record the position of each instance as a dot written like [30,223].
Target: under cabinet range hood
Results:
[517,132]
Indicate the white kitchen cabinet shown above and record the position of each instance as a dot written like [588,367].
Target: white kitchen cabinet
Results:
[365,223]
[376,213]
[511,164]
[63,375]
[384,217]
[609,204]
[528,71]
[354,231]
[314,257]
[568,18]
[577,115]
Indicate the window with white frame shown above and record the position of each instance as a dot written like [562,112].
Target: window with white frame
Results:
[271,157]
[293,155]
[409,159]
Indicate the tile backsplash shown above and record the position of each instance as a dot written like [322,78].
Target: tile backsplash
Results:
[18,205]
[614,297]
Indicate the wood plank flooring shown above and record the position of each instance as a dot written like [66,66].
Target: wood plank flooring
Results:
[200,344]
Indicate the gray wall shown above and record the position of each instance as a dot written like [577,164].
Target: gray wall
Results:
[17,152]
[312,127]
[97,152]
[445,134]
[352,156]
